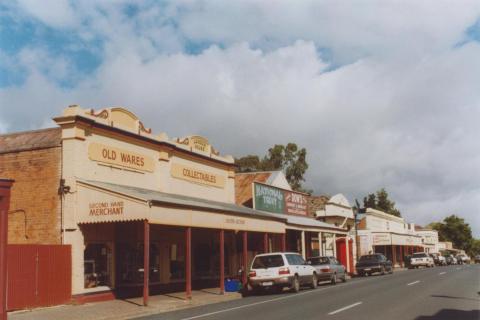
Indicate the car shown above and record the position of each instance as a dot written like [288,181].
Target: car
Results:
[371,263]
[328,269]
[463,259]
[438,259]
[421,259]
[477,258]
[451,259]
[279,270]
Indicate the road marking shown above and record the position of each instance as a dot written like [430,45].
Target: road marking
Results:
[441,273]
[263,302]
[412,283]
[345,308]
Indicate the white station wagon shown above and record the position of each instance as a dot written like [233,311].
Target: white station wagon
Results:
[275,271]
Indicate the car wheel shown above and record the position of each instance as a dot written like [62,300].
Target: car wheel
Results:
[296,285]
[334,279]
[361,274]
[344,279]
[382,270]
[314,281]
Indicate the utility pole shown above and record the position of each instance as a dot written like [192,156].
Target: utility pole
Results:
[356,211]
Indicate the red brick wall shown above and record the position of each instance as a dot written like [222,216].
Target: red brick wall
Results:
[34,195]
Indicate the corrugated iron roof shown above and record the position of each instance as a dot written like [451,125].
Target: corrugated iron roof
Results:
[30,140]
[176,199]
[243,185]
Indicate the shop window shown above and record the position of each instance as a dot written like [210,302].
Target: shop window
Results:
[97,265]
[177,263]
[130,263]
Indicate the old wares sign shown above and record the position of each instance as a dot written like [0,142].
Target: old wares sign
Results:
[120,157]
[197,176]
[272,199]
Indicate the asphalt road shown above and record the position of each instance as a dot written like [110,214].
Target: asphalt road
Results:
[451,293]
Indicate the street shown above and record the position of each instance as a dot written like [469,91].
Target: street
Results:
[451,292]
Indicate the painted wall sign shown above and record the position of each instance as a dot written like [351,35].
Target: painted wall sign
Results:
[106,208]
[295,203]
[272,199]
[197,176]
[112,155]
[381,239]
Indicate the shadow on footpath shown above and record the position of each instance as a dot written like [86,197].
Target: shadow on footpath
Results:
[451,314]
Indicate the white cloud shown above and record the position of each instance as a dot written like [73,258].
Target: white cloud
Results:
[55,13]
[402,114]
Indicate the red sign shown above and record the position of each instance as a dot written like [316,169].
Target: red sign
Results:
[295,203]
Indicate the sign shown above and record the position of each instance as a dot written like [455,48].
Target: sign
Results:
[381,239]
[197,176]
[269,198]
[106,208]
[295,203]
[272,199]
[120,157]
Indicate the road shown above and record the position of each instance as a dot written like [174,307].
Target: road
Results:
[451,293]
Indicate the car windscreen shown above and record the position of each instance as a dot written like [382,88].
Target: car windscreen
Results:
[420,255]
[371,257]
[263,262]
[319,261]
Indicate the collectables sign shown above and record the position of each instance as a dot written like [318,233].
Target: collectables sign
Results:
[276,200]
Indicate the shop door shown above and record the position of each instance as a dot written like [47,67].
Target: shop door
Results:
[342,252]
[38,276]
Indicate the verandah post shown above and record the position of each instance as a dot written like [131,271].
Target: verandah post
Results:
[222,261]
[146,261]
[188,262]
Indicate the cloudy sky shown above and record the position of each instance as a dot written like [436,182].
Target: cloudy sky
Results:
[381,93]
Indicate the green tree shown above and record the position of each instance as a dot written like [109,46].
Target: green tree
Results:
[290,159]
[381,201]
[456,230]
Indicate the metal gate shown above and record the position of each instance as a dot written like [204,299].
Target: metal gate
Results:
[38,275]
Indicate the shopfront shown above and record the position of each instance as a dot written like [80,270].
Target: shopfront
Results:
[146,214]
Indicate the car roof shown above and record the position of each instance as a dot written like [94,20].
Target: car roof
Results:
[275,253]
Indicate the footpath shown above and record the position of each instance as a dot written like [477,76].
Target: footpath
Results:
[125,309]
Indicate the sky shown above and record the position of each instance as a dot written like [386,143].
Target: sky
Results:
[380,93]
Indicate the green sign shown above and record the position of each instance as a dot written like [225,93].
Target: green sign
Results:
[268,198]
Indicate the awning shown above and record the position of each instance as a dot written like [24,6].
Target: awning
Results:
[106,202]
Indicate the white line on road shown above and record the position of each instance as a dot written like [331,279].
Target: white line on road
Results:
[412,283]
[345,308]
[441,273]
[260,302]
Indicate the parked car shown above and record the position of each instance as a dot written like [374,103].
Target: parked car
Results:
[372,263]
[420,259]
[438,259]
[328,269]
[477,258]
[451,259]
[462,259]
[275,271]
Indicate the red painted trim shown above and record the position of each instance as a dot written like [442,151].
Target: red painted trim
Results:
[188,262]
[394,255]
[5,187]
[146,261]
[222,261]
[245,256]
[93,297]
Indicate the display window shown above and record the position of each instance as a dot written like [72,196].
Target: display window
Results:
[97,265]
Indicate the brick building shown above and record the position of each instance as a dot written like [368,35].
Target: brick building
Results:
[33,159]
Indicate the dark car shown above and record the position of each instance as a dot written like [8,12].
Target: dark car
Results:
[372,263]
[477,258]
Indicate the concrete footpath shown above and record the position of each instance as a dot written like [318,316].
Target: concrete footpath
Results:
[125,309]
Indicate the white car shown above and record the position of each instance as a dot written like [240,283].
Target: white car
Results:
[275,271]
[421,259]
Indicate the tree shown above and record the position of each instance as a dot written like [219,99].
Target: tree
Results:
[380,201]
[455,230]
[290,159]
